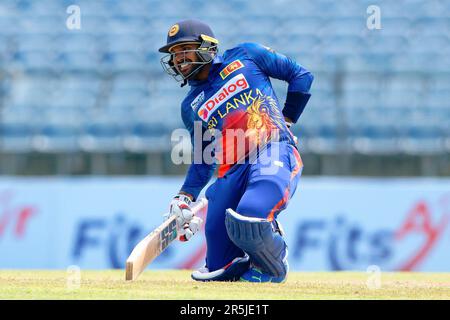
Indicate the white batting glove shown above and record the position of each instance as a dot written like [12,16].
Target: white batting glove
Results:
[180,207]
[189,229]
[187,223]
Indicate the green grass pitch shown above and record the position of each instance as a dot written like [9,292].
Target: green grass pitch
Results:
[171,284]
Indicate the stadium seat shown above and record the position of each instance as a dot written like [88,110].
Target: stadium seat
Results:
[422,139]
[57,137]
[373,138]
[16,136]
[101,135]
[147,136]
[78,60]
[35,60]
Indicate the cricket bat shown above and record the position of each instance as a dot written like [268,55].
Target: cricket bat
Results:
[154,243]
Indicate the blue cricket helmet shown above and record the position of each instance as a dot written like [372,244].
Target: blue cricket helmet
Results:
[184,32]
[188,31]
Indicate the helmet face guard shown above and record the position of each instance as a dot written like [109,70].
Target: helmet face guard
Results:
[205,53]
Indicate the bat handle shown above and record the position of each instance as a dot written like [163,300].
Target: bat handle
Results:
[199,205]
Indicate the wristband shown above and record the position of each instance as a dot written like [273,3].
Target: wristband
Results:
[295,104]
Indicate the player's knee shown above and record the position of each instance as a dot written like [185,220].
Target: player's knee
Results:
[258,239]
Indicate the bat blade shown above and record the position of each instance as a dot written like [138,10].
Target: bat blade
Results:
[150,247]
[154,243]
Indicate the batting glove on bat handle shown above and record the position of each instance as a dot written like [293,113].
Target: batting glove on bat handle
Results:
[189,229]
[180,206]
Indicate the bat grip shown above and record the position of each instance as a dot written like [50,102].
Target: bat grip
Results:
[199,205]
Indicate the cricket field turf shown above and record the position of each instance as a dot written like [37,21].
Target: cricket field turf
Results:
[110,284]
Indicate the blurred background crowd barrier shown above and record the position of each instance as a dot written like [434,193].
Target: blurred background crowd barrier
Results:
[95,100]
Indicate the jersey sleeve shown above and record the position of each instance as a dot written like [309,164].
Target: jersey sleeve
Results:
[278,66]
[199,172]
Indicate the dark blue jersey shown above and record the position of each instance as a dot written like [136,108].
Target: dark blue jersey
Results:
[238,97]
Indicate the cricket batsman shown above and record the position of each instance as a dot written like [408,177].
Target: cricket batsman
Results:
[258,174]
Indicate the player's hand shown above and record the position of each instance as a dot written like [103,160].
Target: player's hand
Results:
[188,224]
[180,207]
[288,125]
[189,229]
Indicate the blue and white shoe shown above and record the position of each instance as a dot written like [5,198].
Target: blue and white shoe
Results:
[231,272]
[255,274]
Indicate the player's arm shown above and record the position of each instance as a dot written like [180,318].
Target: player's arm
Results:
[278,66]
[198,174]
[196,179]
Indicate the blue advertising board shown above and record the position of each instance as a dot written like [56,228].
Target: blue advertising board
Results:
[330,223]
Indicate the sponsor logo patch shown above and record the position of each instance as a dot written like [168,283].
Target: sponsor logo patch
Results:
[198,99]
[229,89]
[229,69]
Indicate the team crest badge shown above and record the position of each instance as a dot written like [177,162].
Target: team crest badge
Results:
[174,30]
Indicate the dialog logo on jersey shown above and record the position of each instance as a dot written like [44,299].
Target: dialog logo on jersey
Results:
[229,89]
[232,67]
